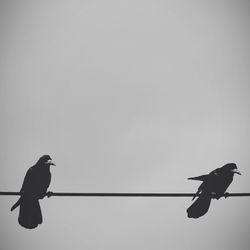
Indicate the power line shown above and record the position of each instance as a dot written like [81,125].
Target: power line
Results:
[127,194]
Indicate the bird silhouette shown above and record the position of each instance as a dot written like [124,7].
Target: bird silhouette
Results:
[214,186]
[35,185]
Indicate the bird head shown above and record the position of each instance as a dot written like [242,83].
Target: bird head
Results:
[231,167]
[45,160]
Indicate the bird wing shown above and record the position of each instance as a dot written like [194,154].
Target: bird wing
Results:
[215,172]
[16,204]
[199,178]
[27,182]
[25,187]
[45,184]
[36,182]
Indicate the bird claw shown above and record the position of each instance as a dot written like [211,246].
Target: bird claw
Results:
[49,194]
[214,195]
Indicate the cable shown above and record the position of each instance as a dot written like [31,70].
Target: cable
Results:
[49,194]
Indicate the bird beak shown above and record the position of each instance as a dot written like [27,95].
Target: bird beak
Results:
[235,171]
[51,163]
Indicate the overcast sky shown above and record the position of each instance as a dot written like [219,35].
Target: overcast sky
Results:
[126,96]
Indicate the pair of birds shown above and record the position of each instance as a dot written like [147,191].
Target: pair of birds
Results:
[38,177]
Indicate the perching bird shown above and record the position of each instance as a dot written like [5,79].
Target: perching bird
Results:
[214,185]
[35,185]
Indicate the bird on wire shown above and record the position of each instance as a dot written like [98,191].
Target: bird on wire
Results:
[213,186]
[35,185]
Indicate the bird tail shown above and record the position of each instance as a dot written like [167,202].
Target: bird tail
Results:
[16,204]
[30,215]
[199,207]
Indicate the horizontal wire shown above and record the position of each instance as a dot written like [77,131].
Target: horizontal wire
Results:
[128,194]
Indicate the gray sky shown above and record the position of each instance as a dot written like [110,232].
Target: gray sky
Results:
[126,96]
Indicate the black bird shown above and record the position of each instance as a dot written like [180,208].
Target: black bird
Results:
[214,185]
[35,185]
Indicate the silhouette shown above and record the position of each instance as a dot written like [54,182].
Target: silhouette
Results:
[214,186]
[35,185]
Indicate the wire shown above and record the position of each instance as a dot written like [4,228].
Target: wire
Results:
[49,194]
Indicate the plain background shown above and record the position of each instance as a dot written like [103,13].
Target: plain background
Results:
[126,96]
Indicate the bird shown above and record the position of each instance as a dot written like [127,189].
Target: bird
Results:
[213,186]
[35,185]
